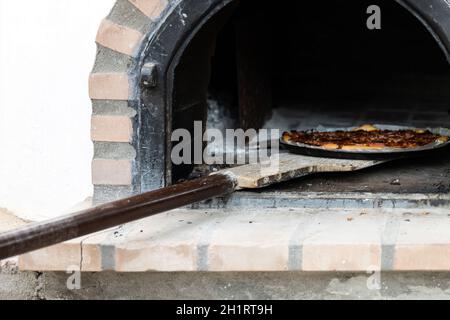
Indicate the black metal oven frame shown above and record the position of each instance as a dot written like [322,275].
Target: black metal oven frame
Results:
[163,52]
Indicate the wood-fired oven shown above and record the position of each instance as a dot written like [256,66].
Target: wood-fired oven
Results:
[162,65]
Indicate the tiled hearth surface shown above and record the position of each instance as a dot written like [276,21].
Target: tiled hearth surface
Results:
[284,239]
[323,224]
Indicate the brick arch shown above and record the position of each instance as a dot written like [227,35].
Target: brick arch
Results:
[130,36]
[113,90]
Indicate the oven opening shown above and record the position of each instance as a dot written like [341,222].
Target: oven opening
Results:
[312,64]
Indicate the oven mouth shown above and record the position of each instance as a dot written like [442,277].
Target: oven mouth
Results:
[243,68]
[233,64]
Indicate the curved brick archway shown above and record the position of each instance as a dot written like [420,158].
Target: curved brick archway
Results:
[114,92]
[130,157]
[128,38]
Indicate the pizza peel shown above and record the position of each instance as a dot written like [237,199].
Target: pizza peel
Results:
[285,166]
[300,162]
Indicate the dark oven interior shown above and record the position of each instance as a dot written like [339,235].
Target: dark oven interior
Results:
[257,64]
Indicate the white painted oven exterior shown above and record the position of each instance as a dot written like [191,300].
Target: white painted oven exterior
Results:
[47,49]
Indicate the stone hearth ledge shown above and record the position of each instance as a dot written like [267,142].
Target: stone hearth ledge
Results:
[327,240]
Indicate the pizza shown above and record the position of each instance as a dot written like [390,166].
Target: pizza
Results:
[366,137]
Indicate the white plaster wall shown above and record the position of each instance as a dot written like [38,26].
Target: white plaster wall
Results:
[47,49]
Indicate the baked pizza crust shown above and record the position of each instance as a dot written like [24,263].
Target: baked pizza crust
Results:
[359,139]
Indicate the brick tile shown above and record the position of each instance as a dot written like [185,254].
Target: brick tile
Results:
[167,243]
[111,129]
[181,257]
[423,244]
[341,257]
[263,257]
[238,245]
[62,257]
[69,254]
[111,172]
[119,38]
[417,257]
[109,86]
[344,243]
[151,8]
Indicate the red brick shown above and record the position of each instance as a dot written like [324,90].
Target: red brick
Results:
[109,86]
[111,172]
[111,129]
[119,38]
[151,8]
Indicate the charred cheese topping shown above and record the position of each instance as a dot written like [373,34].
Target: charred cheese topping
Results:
[365,137]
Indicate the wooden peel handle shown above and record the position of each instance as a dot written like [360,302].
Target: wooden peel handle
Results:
[41,235]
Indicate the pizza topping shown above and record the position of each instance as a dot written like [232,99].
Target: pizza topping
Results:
[365,137]
[367,127]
